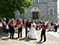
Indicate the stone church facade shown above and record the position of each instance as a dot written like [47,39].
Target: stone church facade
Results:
[41,9]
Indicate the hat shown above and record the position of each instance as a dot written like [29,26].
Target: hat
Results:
[12,18]
[20,19]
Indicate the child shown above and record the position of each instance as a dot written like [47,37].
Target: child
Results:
[7,28]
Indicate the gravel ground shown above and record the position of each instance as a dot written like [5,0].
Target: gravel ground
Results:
[51,40]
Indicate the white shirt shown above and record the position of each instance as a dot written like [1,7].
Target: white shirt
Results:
[7,27]
[4,23]
[28,29]
[56,23]
[46,23]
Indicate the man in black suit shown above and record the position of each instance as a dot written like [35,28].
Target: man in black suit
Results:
[28,24]
[56,25]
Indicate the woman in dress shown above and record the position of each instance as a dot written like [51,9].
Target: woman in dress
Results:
[4,24]
[49,26]
[32,34]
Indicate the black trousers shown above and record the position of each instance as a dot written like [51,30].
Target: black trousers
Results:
[20,31]
[26,32]
[43,34]
[55,28]
[12,32]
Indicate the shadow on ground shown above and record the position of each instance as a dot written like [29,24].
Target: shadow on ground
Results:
[40,42]
[2,33]
[26,39]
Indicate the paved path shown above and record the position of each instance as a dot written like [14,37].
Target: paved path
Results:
[51,40]
[55,34]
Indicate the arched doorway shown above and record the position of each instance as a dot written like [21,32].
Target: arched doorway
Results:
[35,15]
[35,12]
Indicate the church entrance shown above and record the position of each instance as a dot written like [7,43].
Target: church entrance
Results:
[35,15]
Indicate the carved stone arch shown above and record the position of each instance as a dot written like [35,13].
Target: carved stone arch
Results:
[35,8]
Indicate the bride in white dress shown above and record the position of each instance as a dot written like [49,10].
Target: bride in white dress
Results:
[32,34]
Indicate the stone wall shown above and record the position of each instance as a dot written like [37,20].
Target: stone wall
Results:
[43,6]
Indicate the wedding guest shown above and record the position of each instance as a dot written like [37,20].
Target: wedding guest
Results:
[7,20]
[49,26]
[24,23]
[17,20]
[46,23]
[52,26]
[20,24]
[36,21]
[9,24]
[43,32]
[41,21]
[56,25]
[4,24]
[12,30]
[7,28]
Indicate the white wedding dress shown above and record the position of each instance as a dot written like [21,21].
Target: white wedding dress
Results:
[32,34]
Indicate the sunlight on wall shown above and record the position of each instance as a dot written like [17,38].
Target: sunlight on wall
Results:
[57,6]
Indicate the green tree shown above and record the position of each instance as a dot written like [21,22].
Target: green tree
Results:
[8,7]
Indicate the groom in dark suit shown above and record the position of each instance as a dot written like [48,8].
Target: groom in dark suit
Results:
[28,24]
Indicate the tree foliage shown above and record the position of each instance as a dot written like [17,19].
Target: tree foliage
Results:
[8,7]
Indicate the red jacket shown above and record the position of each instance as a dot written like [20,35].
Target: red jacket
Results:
[11,24]
[43,27]
[20,23]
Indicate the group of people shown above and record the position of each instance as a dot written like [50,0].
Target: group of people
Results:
[31,26]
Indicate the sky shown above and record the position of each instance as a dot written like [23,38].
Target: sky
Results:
[58,6]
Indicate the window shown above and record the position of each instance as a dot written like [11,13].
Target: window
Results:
[36,1]
[50,10]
